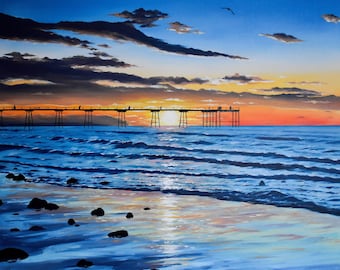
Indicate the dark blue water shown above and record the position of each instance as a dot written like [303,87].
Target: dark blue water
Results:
[284,166]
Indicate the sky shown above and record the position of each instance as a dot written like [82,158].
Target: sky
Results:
[278,61]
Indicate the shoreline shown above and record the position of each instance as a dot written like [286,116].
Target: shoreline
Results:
[166,231]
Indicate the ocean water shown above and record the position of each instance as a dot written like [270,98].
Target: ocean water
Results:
[294,167]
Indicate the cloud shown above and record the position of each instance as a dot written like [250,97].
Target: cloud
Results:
[331,18]
[181,28]
[145,18]
[19,81]
[307,83]
[243,79]
[26,29]
[293,90]
[282,37]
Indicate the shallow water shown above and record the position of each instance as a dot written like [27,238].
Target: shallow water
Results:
[282,166]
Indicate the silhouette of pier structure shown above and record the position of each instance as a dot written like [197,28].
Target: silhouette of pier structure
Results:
[210,117]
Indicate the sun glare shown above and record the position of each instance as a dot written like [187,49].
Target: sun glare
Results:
[169,118]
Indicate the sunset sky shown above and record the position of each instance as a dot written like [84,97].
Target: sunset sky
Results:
[278,61]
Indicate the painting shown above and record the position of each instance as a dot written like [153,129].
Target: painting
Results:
[144,134]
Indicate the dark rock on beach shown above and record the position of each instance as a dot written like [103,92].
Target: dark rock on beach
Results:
[37,203]
[12,254]
[1,203]
[147,208]
[71,221]
[262,183]
[118,234]
[19,177]
[10,175]
[84,263]
[36,228]
[51,206]
[129,215]
[72,181]
[14,230]
[98,212]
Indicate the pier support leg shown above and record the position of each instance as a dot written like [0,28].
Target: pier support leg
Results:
[121,118]
[155,119]
[183,119]
[1,119]
[29,119]
[58,121]
[211,118]
[88,118]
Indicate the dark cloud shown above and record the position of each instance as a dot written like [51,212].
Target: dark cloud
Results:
[293,90]
[282,37]
[182,28]
[25,29]
[104,46]
[101,54]
[243,79]
[145,18]
[331,18]
[177,80]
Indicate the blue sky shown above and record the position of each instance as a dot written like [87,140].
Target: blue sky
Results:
[286,43]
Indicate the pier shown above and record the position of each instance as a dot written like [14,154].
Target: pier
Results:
[210,117]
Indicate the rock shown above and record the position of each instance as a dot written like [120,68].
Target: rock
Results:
[129,215]
[19,177]
[10,176]
[36,228]
[262,183]
[98,212]
[104,183]
[118,234]
[12,254]
[84,263]
[147,208]
[1,203]
[72,181]
[51,206]
[37,203]
[71,221]
[15,230]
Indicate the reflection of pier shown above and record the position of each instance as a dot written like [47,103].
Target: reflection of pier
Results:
[210,117]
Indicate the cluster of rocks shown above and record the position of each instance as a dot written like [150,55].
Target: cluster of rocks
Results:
[11,254]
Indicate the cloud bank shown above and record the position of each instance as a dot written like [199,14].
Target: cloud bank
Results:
[27,29]
[145,18]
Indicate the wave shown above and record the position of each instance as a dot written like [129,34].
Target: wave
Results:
[278,138]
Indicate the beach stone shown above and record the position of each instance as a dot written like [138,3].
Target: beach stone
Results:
[14,230]
[104,183]
[10,175]
[1,203]
[12,254]
[71,221]
[84,263]
[118,234]
[98,212]
[72,181]
[19,177]
[262,183]
[37,203]
[147,208]
[36,228]
[129,215]
[51,206]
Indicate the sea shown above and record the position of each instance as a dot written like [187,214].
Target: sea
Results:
[284,166]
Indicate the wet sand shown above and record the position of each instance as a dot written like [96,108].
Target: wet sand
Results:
[165,231]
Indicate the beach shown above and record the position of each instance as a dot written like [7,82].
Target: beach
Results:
[167,231]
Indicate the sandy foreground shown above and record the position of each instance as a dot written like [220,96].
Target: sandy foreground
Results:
[166,231]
